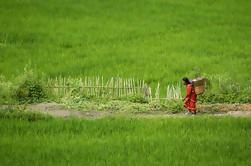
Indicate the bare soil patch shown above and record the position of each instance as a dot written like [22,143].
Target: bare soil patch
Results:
[214,109]
[58,110]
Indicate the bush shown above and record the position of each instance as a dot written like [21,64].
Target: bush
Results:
[29,88]
[242,96]
[138,99]
[174,105]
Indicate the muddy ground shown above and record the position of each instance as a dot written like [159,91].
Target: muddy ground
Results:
[58,110]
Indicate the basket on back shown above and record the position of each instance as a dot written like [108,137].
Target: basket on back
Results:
[198,84]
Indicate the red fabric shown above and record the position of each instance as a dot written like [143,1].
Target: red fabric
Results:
[191,96]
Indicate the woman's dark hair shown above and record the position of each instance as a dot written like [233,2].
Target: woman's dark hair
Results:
[186,80]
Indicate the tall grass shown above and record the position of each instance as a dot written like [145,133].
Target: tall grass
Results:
[201,140]
[154,40]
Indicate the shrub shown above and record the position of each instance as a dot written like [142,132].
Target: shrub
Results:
[138,99]
[242,96]
[174,105]
[29,88]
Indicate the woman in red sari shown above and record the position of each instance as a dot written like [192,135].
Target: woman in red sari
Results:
[190,98]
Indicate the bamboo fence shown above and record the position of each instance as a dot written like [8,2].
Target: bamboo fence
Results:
[114,87]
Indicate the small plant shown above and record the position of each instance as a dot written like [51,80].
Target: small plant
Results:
[29,88]
[174,105]
[138,99]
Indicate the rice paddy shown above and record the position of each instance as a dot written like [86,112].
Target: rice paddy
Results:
[155,40]
[159,41]
[202,140]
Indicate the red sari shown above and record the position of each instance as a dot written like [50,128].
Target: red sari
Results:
[191,96]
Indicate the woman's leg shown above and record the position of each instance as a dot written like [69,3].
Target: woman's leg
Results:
[187,103]
[193,106]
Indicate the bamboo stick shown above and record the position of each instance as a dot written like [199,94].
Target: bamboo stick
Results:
[97,86]
[127,89]
[116,87]
[143,88]
[150,94]
[81,84]
[121,86]
[138,88]
[85,85]
[134,87]
[102,86]
[124,88]
[64,89]
[130,91]
[106,87]
[56,87]
[157,92]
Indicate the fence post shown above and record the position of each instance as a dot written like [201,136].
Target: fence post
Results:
[102,86]
[124,88]
[115,88]
[149,95]
[56,86]
[157,93]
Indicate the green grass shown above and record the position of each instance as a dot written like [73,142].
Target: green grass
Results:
[201,140]
[155,40]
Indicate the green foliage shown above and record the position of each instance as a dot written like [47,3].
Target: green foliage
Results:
[29,88]
[5,90]
[230,97]
[74,38]
[204,140]
[138,99]
[223,89]
[155,40]
[20,114]
[174,105]
[125,104]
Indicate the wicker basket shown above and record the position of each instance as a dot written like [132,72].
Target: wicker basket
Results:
[198,84]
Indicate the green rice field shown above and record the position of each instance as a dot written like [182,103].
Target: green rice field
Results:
[202,140]
[152,40]
[156,40]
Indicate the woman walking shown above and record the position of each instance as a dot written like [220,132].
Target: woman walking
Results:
[190,98]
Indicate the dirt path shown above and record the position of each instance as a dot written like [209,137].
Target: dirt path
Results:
[58,110]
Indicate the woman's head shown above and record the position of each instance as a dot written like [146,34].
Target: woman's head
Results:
[186,81]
